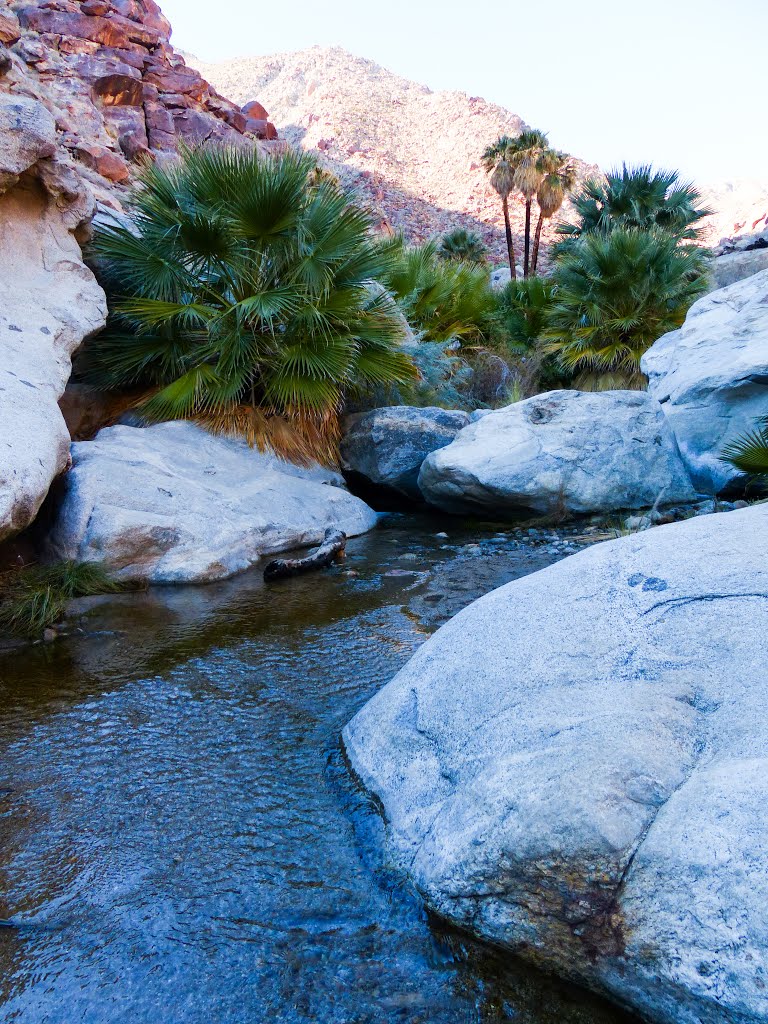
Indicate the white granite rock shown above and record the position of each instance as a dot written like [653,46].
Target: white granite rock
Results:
[174,504]
[711,376]
[561,451]
[49,302]
[575,767]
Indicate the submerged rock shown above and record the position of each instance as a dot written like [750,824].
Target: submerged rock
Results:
[564,451]
[711,376]
[386,447]
[174,504]
[575,767]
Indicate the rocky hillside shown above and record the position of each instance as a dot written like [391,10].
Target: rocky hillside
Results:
[117,89]
[413,153]
[741,210]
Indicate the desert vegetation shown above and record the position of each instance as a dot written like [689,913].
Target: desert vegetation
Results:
[749,453]
[255,297]
[248,298]
[626,270]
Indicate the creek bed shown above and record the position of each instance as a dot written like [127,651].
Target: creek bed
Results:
[180,842]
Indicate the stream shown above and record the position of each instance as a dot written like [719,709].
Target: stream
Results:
[180,840]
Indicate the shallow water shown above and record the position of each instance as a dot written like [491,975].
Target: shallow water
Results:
[180,841]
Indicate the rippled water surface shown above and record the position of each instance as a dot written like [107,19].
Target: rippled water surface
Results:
[180,842]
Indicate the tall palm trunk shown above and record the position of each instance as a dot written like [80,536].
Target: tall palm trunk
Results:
[536,242]
[528,203]
[510,240]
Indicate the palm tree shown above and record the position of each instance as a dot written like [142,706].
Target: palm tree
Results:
[496,160]
[247,299]
[461,244]
[522,312]
[530,146]
[638,197]
[559,179]
[614,295]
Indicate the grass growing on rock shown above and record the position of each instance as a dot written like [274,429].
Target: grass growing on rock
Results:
[34,598]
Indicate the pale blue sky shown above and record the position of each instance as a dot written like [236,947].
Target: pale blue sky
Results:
[678,82]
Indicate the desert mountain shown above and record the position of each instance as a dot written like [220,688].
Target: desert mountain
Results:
[414,154]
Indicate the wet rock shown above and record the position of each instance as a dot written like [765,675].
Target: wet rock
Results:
[174,504]
[711,376]
[575,768]
[565,451]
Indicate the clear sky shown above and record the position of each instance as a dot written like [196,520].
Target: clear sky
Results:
[676,82]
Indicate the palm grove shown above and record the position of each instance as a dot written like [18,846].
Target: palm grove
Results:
[252,294]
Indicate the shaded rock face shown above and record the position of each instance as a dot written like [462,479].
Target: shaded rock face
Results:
[575,768]
[711,376]
[386,447]
[49,301]
[564,451]
[116,87]
[173,504]
[735,266]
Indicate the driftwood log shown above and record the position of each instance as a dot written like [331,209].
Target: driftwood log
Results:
[331,550]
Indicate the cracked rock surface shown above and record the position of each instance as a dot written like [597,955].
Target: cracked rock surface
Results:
[575,768]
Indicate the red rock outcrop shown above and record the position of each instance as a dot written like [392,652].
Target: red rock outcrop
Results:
[117,88]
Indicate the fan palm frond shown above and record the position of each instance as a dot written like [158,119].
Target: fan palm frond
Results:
[248,283]
[638,197]
[614,294]
[749,452]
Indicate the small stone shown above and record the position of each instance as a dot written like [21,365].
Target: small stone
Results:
[741,504]
[49,635]
[442,536]
[637,523]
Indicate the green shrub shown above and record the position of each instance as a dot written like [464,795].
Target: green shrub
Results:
[442,299]
[522,312]
[461,244]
